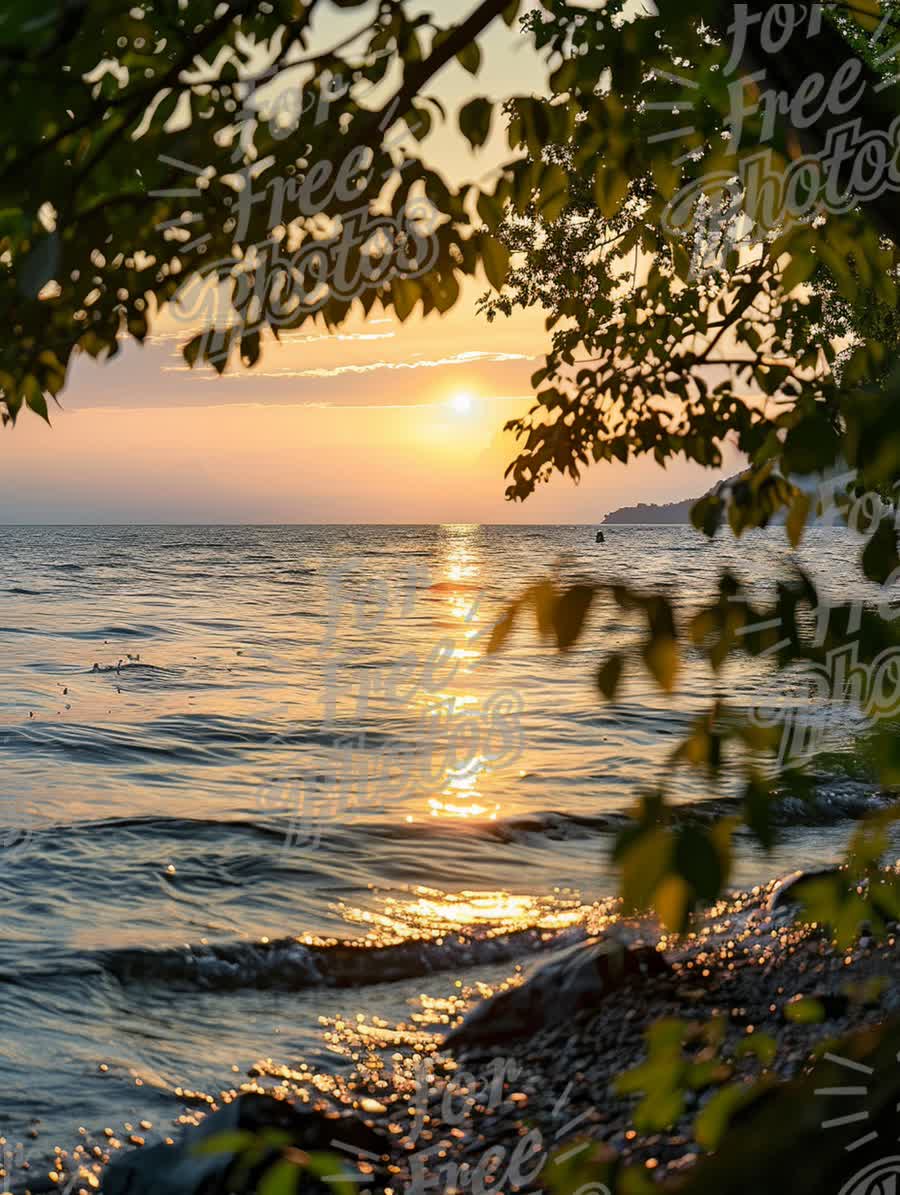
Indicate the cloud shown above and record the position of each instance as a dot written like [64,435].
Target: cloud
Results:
[336,371]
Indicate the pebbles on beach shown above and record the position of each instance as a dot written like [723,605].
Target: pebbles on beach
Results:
[496,1105]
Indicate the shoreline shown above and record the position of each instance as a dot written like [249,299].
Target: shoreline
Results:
[532,1072]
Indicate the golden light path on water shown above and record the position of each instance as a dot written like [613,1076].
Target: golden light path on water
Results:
[429,912]
[461,793]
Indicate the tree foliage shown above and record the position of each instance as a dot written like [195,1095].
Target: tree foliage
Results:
[140,134]
[129,185]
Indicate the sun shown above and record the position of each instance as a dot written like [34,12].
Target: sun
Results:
[463,402]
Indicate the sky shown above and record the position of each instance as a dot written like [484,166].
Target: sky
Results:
[380,423]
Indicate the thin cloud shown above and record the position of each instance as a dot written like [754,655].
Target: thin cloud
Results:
[468,358]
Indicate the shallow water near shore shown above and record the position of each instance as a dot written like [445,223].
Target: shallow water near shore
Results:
[185,887]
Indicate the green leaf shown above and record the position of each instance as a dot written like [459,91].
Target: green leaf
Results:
[803,1010]
[281,1179]
[760,1045]
[713,1121]
[406,293]
[224,1143]
[40,266]
[475,121]
[554,192]
[800,269]
[330,1169]
[34,397]
[564,76]
[672,901]
[495,256]
[644,864]
[698,862]
[511,12]
[13,223]
[797,516]
[470,57]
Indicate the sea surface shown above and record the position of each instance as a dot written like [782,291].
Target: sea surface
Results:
[260,782]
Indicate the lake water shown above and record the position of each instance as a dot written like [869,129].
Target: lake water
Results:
[254,779]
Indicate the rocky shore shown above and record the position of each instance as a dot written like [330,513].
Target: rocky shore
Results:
[531,1079]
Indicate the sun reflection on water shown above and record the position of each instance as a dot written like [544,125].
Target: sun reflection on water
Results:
[461,792]
[430,914]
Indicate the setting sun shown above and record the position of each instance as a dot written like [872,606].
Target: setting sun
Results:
[463,402]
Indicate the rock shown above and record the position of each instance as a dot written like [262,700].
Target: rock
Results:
[786,895]
[183,1170]
[574,982]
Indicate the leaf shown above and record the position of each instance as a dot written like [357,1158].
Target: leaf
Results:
[224,1143]
[470,57]
[544,597]
[759,814]
[698,862]
[802,1010]
[660,655]
[511,12]
[713,1121]
[495,256]
[502,629]
[569,615]
[645,863]
[13,223]
[672,901]
[797,516]
[329,1168]
[880,558]
[564,76]
[40,266]
[34,397]
[800,269]
[406,293]
[281,1179]
[475,121]
[610,189]
[191,350]
[421,123]
[760,1045]
[609,675]
[554,192]
[867,13]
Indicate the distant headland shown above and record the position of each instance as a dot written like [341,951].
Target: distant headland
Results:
[825,486]
[668,512]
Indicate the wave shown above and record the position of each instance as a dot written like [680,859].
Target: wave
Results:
[132,668]
[294,965]
[147,631]
[833,801]
[96,635]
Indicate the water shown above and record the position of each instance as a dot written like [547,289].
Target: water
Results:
[175,706]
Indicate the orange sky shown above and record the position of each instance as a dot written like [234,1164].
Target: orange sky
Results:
[382,423]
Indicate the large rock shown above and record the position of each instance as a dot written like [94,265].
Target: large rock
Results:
[183,1169]
[788,895]
[574,982]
